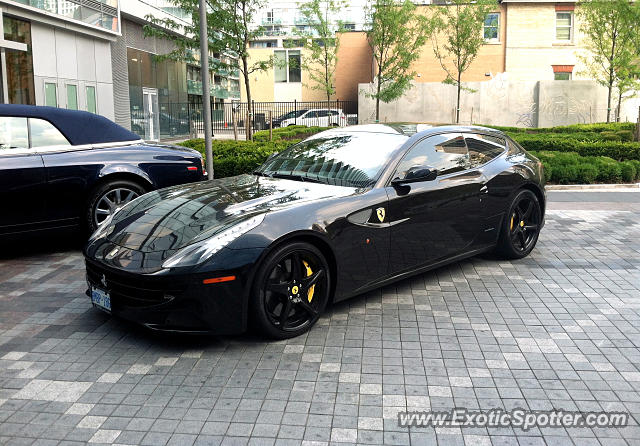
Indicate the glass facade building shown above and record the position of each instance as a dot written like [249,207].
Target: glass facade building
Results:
[100,13]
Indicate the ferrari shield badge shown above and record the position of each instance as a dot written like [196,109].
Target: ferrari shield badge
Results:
[380,214]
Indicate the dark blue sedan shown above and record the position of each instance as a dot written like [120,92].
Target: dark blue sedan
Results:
[64,168]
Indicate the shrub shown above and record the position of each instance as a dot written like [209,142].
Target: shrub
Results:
[565,174]
[628,171]
[237,157]
[614,149]
[609,136]
[293,132]
[625,135]
[574,128]
[587,173]
[636,164]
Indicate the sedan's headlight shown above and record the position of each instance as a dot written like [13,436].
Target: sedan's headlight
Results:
[200,251]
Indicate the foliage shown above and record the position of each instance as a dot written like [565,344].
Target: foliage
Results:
[614,149]
[574,128]
[293,132]
[237,157]
[458,38]
[396,34]
[321,42]
[611,38]
[570,167]
[228,29]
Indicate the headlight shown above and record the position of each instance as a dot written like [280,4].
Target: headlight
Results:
[200,251]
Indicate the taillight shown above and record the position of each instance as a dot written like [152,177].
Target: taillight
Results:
[192,168]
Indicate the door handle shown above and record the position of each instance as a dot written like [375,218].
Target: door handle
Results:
[484,190]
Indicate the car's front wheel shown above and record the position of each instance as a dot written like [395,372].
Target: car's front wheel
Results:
[521,226]
[108,198]
[291,290]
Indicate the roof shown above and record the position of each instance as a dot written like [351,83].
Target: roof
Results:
[79,127]
[409,129]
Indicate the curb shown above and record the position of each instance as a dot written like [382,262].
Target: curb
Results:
[594,187]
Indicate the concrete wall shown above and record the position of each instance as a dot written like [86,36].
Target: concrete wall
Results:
[65,57]
[532,47]
[497,102]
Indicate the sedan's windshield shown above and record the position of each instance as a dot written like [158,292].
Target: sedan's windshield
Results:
[341,159]
[294,114]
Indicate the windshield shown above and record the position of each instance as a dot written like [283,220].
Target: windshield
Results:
[293,114]
[347,159]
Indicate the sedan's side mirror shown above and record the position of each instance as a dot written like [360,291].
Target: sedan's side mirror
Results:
[416,174]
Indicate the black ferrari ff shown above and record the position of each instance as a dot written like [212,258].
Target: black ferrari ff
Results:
[342,212]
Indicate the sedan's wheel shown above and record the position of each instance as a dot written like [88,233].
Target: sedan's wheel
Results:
[521,226]
[291,290]
[108,198]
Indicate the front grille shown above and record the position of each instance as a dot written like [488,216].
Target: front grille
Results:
[130,290]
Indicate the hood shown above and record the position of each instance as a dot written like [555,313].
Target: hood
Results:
[171,218]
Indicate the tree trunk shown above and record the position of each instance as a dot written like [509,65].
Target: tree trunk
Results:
[610,87]
[378,100]
[619,106]
[458,101]
[247,89]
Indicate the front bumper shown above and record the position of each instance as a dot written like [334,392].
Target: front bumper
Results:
[174,302]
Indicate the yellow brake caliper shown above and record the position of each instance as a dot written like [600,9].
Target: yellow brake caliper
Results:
[312,287]
[512,219]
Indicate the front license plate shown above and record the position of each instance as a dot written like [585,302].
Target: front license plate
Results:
[101,299]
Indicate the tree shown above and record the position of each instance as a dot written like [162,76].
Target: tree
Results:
[458,38]
[395,36]
[229,31]
[321,43]
[609,27]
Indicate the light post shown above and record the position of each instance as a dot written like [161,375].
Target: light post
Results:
[206,98]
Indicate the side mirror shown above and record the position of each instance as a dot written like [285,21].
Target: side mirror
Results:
[416,174]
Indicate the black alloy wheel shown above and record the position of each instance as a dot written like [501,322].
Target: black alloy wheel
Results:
[521,226]
[291,290]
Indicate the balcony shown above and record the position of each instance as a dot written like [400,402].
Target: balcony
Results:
[194,87]
[220,92]
[234,93]
[271,21]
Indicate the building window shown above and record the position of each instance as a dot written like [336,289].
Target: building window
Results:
[92,105]
[564,26]
[349,26]
[20,86]
[491,27]
[263,44]
[560,76]
[50,94]
[287,66]
[72,97]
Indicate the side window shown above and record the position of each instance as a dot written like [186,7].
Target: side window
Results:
[43,133]
[447,153]
[484,148]
[311,114]
[14,133]
[322,113]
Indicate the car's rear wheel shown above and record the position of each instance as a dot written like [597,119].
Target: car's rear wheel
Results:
[521,226]
[291,290]
[108,198]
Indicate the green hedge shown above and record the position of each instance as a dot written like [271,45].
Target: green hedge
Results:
[237,157]
[293,132]
[575,128]
[614,149]
[571,168]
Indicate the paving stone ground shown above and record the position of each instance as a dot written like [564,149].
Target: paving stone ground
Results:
[560,329]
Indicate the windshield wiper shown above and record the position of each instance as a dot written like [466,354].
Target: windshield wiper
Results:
[291,176]
[259,173]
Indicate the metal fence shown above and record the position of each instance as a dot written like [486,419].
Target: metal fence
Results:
[185,119]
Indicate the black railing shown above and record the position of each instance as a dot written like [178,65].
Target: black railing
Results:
[185,119]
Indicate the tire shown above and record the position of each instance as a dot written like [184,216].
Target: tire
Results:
[520,227]
[109,190]
[280,286]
